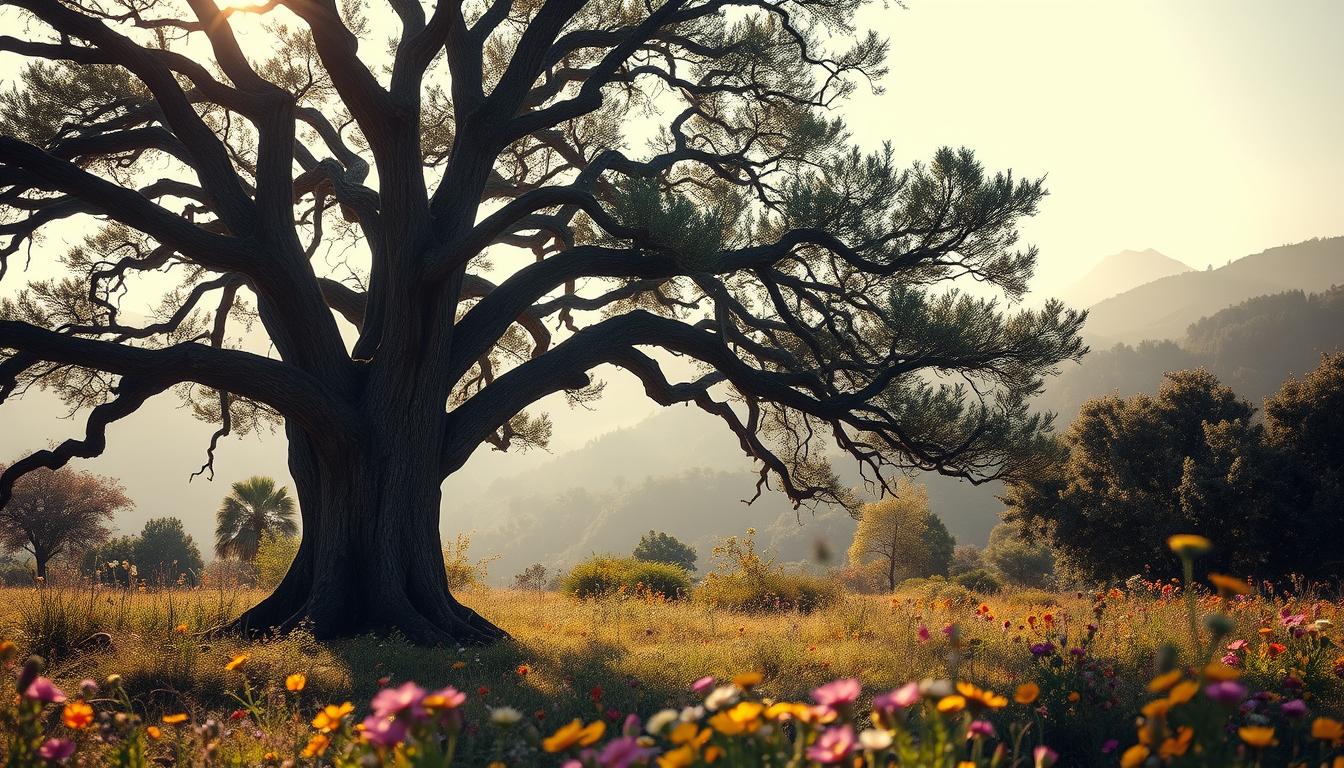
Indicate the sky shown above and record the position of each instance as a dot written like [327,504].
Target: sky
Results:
[1205,129]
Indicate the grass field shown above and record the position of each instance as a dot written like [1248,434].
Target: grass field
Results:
[603,659]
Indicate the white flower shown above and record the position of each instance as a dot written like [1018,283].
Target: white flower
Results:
[692,714]
[723,696]
[660,720]
[505,715]
[873,739]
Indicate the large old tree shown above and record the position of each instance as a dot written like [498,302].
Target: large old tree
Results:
[441,213]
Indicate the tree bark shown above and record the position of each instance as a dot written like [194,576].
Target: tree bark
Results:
[370,560]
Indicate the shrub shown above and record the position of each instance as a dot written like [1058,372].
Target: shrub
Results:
[743,580]
[978,580]
[659,547]
[274,556]
[458,566]
[607,574]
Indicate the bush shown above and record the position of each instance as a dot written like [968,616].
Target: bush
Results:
[274,556]
[978,580]
[458,566]
[743,580]
[607,574]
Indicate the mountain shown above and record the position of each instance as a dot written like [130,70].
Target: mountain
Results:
[1165,308]
[1120,272]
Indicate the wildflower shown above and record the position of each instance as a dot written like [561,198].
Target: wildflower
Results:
[1178,745]
[703,684]
[176,718]
[1229,585]
[1259,736]
[874,740]
[444,698]
[77,715]
[1327,729]
[330,717]
[838,693]
[660,720]
[1226,692]
[317,745]
[747,680]
[296,682]
[1027,693]
[832,746]
[88,687]
[980,729]
[951,705]
[1163,682]
[744,717]
[180,629]
[523,670]
[723,696]
[1135,756]
[1221,672]
[505,716]
[56,750]
[681,757]
[383,731]
[901,698]
[153,732]
[1237,645]
[1276,648]
[1189,544]
[1042,649]
[1294,709]
[238,714]
[459,665]
[981,697]
[1044,756]
[391,702]
[1183,692]
[237,662]
[44,690]
[574,733]
[622,753]
[922,634]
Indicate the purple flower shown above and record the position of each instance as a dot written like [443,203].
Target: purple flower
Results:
[56,749]
[391,702]
[1291,619]
[980,729]
[1229,693]
[1045,756]
[632,726]
[1110,745]
[837,693]
[622,753]
[42,689]
[1294,708]
[1042,649]
[1231,659]
[901,698]
[383,731]
[832,746]
[703,684]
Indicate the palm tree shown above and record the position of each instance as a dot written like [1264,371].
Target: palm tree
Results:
[254,509]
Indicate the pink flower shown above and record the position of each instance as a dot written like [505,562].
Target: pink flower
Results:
[901,698]
[832,746]
[980,729]
[1045,756]
[837,693]
[1231,659]
[1237,645]
[383,731]
[445,698]
[622,753]
[42,689]
[56,749]
[390,702]
[703,684]
[923,634]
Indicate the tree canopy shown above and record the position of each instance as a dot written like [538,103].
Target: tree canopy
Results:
[434,236]
[61,512]
[902,536]
[254,510]
[659,547]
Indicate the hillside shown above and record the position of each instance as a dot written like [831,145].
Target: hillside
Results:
[1165,308]
[1118,273]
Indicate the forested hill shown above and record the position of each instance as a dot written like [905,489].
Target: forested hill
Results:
[1165,308]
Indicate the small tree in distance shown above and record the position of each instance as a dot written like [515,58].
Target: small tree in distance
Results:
[254,510]
[52,512]
[659,547]
[903,535]
[533,577]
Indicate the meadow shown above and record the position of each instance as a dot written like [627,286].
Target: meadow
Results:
[1072,672]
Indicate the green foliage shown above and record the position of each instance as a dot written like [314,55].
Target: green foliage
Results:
[461,570]
[254,510]
[166,553]
[979,580]
[660,547]
[605,575]
[902,535]
[744,580]
[273,558]
[1018,559]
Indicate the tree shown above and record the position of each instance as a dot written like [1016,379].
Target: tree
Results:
[166,554]
[54,512]
[903,536]
[254,510]
[367,209]
[1017,558]
[663,548]
[273,559]
[533,577]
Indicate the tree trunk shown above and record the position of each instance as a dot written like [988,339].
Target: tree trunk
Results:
[40,558]
[370,560]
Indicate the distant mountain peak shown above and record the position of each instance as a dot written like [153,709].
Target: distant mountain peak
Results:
[1121,272]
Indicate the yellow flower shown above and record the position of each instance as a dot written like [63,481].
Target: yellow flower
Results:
[744,717]
[681,757]
[1027,693]
[180,629]
[329,719]
[1183,692]
[77,715]
[1157,708]
[237,662]
[688,734]
[317,745]
[1327,729]
[1177,745]
[1164,681]
[713,753]
[981,697]
[782,710]
[1218,672]
[1257,735]
[296,682]
[747,680]
[1229,585]
[175,719]
[153,732]
[951,705]
[1134,756]
[459,665]
[1189,544]
[575,732]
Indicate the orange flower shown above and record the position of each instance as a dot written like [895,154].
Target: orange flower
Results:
[1183,692]
[1027,693]
[180,629]
[175,719]
[981,697]
[1220,672]
[329,719]
[523,670]
[459,665]
[237,662]
[1259,736]
[153,732]
[1134,756]
[296,682]
[1189,544]
[77,715]
[1327,729]
[1229,585]
[747,680]
[951,705]
[574,733]
[317,745]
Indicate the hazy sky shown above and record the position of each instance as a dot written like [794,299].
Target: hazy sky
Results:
[1206,129]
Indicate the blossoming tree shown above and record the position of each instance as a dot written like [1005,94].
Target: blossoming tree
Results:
[669,172]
